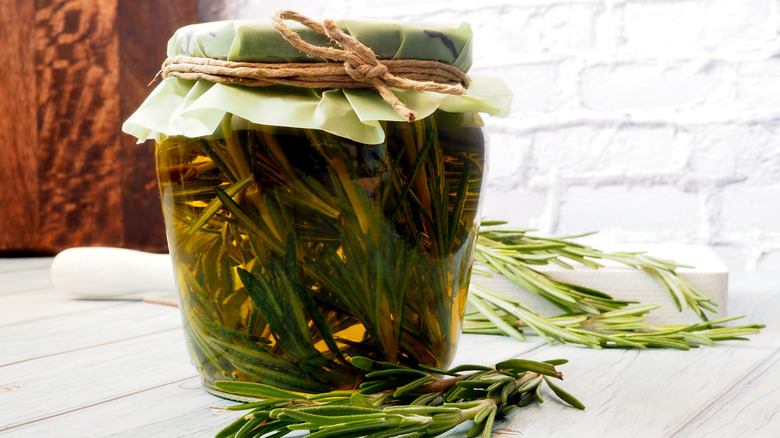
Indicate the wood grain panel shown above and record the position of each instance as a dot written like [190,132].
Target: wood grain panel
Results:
[71,71]
[18,129]
[142,46]
[78,111]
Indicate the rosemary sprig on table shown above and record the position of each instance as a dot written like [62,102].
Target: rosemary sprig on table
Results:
[513,253]
[589,317]
[395,401]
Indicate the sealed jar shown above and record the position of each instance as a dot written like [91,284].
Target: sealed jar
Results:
[308,225]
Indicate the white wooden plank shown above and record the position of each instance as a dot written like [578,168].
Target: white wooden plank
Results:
[185,409]
[40,304]
[633,393]
[25,280]
[24,263]
[654,401]
[176,409]
[758,308]
[750,408]
[62,333]
[61,383]
[132,384]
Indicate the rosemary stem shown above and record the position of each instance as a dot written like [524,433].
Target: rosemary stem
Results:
[441,385]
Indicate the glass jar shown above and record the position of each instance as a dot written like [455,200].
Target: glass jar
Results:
[308,226]
[295,249]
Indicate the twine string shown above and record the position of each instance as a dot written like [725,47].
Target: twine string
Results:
[358,67]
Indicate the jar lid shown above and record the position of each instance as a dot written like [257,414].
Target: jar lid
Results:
[196,108]
[258,41]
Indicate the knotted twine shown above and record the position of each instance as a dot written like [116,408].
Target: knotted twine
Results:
[359,67]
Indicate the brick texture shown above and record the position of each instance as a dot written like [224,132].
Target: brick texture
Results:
[649,120]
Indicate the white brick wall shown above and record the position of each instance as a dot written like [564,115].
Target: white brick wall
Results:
[649,120]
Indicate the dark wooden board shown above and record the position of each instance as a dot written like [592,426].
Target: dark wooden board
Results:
[76,69]
[78,108]
[18,125]
[142,214]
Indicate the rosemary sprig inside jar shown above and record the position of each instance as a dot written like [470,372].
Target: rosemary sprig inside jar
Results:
[280,231]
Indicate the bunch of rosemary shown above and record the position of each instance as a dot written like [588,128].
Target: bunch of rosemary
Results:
[398,401]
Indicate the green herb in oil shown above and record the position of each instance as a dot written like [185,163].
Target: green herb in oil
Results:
[296,249]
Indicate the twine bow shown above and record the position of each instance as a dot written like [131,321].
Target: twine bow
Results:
[359,67]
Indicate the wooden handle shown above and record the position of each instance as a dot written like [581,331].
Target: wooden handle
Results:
[112,273]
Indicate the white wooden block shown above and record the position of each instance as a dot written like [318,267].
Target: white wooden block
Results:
[709,276]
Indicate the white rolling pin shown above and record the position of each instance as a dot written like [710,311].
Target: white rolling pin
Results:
[112,273]
[103,273]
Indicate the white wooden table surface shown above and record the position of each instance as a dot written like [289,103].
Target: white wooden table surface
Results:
[78,368]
